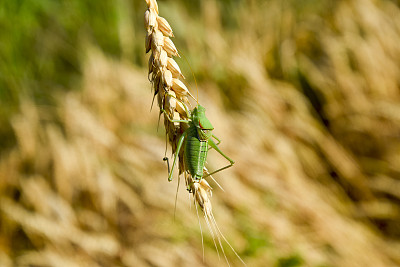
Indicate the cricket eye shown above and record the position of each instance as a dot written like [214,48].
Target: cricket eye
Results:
[205,131]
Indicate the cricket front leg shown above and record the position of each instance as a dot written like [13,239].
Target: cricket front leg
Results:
[180,142]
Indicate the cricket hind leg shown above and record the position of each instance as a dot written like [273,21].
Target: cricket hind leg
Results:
[206,174]
[179,146]
[215,146]
[165,158]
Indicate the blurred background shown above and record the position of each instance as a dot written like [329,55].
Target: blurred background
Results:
[305,96]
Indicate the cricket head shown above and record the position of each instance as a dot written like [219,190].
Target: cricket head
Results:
[204,126]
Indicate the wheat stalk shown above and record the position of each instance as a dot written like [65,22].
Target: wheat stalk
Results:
[172,97]
[172,94]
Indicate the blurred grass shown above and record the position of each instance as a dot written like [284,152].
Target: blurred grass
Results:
[306,98]
[41,47]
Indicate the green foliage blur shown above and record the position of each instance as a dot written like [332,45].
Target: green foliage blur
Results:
[41,44]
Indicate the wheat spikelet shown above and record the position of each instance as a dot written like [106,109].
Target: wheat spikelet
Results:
[172,94]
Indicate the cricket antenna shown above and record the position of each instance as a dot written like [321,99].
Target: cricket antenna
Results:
[194,78]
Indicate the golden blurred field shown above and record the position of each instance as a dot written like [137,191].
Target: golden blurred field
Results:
[305,96]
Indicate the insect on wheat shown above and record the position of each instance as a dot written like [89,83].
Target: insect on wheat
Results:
[189,132]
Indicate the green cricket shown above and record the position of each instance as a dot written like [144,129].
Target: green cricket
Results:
[197,140]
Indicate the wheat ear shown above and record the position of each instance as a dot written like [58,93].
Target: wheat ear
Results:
[172,97]
[172,94]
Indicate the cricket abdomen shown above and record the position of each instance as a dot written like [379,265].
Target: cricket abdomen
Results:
[195,153]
